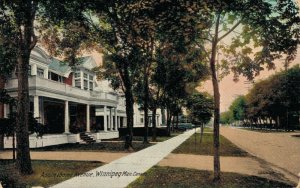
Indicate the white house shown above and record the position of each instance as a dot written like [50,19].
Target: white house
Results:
[138,118]
[71,100]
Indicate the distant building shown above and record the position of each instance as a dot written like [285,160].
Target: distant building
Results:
[139,117]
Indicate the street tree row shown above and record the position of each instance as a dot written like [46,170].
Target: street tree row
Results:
[271,103]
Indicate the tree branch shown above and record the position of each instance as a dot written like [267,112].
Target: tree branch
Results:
[34,37]
[204,50]
[230,30]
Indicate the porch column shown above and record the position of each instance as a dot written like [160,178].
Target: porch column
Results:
[81,80]
[5,110]
[33,69]
[36,106]
[67,117]
[125,121]
[46,71]
[116,119]
[118,123]
[105,118]
[110,120]
[88,124]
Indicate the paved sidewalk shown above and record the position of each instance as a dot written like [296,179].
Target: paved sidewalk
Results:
[279,149]
[125,170]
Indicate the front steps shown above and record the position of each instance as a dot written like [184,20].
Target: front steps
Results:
[87,138]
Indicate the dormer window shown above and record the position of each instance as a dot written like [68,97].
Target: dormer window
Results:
[84,80]
[77,83]
[85,85]
[91,86]
[77,74]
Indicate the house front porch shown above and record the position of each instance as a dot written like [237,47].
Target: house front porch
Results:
[56,139]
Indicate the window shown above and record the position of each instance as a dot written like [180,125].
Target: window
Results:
[40,72]
[88,80]
[29,70]
[91,86]
[142,120]
[61,79]
[77,74]
[77,83]
[85,76]
[55,77]
[85,85]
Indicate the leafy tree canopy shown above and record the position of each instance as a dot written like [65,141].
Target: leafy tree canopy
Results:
[200,107]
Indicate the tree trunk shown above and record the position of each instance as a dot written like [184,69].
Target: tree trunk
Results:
[277,122]
[202,130]
[14,146]
[260,123]
[163,116]
[23,153]
[1,141]
[215,84]
[146,104]
[2,86]
[154,131]
[129,108]
[26,42]
[168,122]
[173,122]
[177,121]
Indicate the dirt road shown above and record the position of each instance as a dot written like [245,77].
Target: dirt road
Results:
[279,149]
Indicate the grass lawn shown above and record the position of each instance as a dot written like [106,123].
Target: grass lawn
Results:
[46,173]
[208,129]
[193,146]
[184,177]
[102,146]
[141,138]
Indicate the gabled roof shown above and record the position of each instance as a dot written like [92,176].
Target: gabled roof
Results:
[40,55]
[87,62]
[59,67]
